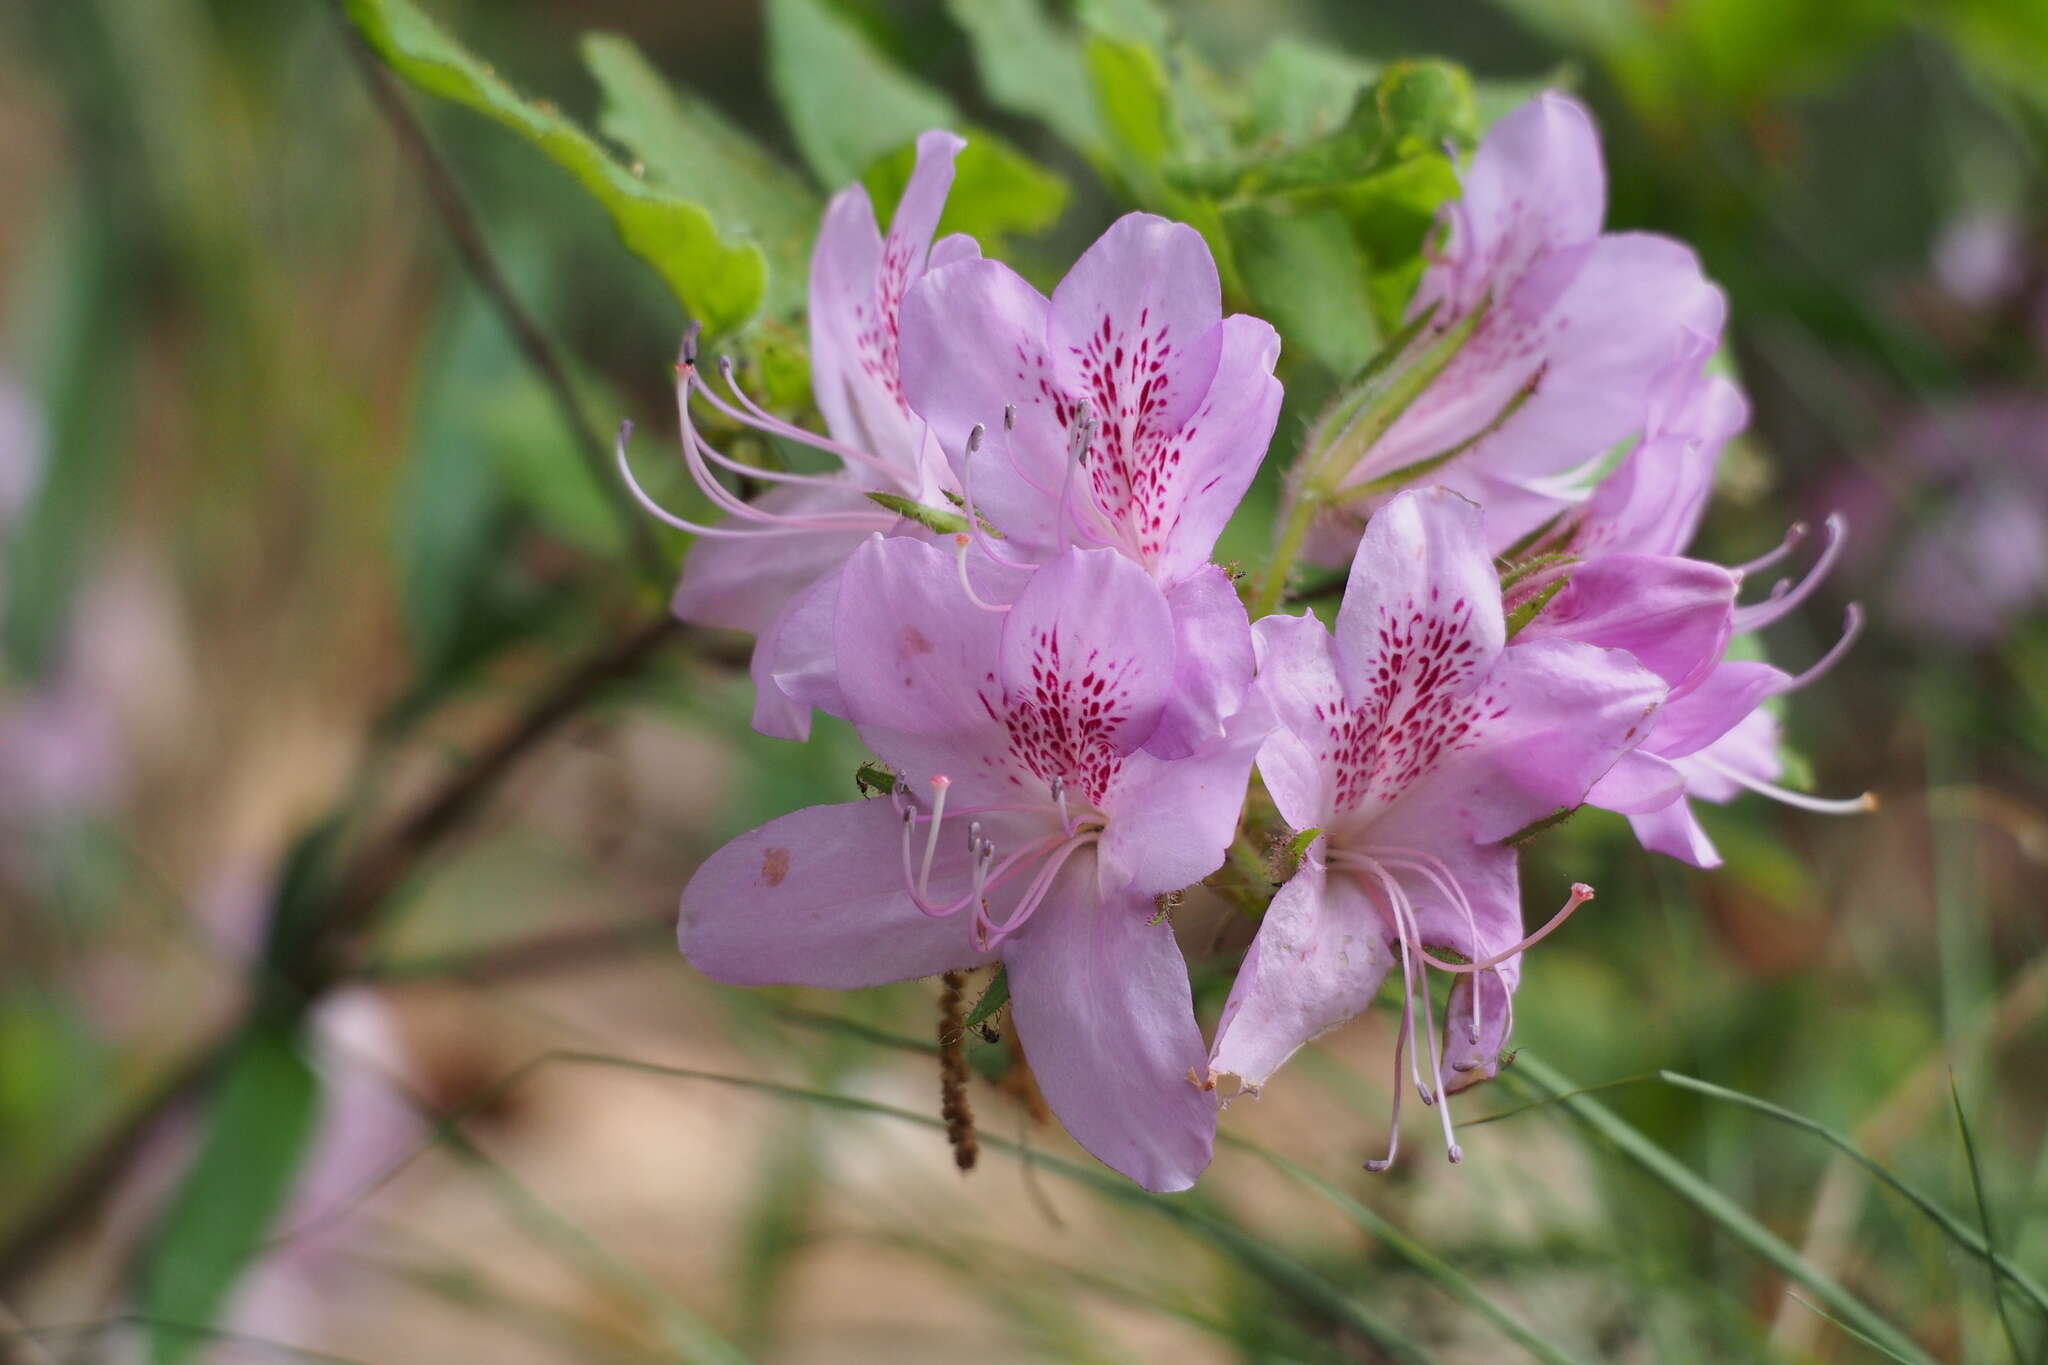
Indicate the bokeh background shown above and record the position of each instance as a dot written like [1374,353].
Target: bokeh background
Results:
[295,534]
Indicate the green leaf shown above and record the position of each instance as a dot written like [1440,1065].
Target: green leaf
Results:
[688,146]
[1412,111]
[1030,65]
[1298,91]
[1305,273]
[994,998]
[847,104]
[257,1130]
[1956,1230]
[1717,1207]
[719,281]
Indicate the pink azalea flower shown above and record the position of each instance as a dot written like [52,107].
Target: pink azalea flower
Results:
[762,566]
[1578,325]
[1030,825]
[1124,412]
[1628,586]
[1415,741]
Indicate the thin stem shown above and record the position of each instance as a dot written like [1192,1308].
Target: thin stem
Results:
[460,219]
[1300,517]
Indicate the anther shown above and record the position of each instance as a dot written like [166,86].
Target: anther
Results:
[1009,417]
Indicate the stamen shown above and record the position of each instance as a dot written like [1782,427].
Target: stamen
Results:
[988,933]
[668,518]
[1852,626]
[1794,534]
[982,539]
[1434,868]
[941,784]
[1855,805]
[961,543]
[1059,798]
[1785,595]
[752,414]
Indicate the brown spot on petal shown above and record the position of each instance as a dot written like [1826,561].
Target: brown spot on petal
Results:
[914,641]
[774,866]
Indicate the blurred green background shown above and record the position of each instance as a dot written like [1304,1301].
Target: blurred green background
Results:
[297,527]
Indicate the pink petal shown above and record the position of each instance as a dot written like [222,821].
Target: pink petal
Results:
[1422,606]
[1211,463]
[858,280]
[1674,615]
[1087,660]
[794,668]
[1715,705]
[1213,664]
[1560,715]
[1675,832]
[1172,820]
[817,898]
[1536,184]
[739,583]
[1106,1017]
[1637,784]
[917,667]
[974,342]
[1298,681]
[1318,960]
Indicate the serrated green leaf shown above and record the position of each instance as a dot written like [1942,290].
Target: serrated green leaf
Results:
[688,146]
[1031,65]
[719,280]
[257,1129]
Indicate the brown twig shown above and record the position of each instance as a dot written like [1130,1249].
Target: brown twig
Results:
[953,1105]
[461,221]
[360,892]
[375,873]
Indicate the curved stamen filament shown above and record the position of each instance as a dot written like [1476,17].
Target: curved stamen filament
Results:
[989,934]
[770,525]
[752,414]
[961,544]
[981,538]
[1439,875]
[1852,626]
[1794,534]
[695,451]
[1854,805]
[1785,595]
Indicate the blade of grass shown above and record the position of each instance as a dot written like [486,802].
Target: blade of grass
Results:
[1447,1276]
[2012,1339]
[1718,1207]
[1277,1268]
[1956,1229]
[1810,1306]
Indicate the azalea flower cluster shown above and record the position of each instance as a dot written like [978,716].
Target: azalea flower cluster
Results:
[1007,589]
